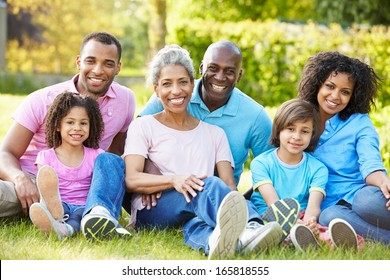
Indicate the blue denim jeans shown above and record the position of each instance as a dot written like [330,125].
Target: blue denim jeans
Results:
[75,213]
[108,184]
[367,214]
[197,218]
[197,232]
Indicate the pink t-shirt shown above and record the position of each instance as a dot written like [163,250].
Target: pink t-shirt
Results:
[74,182]
[117,107]
[196,151]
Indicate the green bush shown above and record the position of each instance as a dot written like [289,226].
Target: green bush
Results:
[380,120]
[274,53]
[18,84]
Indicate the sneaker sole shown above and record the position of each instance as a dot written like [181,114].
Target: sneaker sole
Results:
[40,218]
[342,234]
[232,218]
[285,212]
[43,220]
[98,228]
[47,182]
[303,238]
[269,236]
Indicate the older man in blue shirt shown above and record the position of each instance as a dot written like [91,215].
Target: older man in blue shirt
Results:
[217,101]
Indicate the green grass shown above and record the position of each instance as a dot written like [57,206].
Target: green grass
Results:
[20,240]
[142,93]
[132,72]
[8,103]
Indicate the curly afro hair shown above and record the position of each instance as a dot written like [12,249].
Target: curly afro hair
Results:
[61,107]
[320,66]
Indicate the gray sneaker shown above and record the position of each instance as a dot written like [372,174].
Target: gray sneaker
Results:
[99,227]
[342,234]
[257,237]
[232,217]
[303,238]
[285,212]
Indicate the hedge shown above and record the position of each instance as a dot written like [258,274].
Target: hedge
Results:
[274,52]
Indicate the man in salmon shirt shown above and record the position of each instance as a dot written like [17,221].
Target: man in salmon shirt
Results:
[98,63]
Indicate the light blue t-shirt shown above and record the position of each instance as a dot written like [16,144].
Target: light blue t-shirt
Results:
[245,122]
[294,181]
[350,150]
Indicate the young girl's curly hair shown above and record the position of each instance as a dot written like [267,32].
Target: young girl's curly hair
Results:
[61,107]
[320,66]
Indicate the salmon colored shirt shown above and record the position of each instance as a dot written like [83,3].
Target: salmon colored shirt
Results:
[117,107]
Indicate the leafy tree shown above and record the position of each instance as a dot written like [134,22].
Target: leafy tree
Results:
[61,27]
[157,26]
[21,28]
[238,10]
[345,12]
[44,36]
[132,18]
[372,12]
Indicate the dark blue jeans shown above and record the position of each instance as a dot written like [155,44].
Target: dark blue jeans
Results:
[75,213]
[367,214]
[198,217]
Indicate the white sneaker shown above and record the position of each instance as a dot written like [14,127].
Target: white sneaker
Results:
[232,217]
[257,237]
[122,232]
[342,234]
[303,238]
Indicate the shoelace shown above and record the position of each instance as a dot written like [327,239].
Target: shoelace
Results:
[253,225]
[63,221]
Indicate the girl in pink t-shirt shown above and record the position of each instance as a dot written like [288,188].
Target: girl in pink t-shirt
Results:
[74,127]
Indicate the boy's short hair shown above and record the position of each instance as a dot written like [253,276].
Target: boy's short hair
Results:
[290,112]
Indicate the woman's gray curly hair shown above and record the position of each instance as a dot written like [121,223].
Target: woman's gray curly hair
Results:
[170,55]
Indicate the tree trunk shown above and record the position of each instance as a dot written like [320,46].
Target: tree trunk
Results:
[157,26]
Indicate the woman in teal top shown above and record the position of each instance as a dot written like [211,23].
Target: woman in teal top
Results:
[343,90]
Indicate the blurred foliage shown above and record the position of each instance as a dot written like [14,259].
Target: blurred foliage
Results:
[380,120]
[238,10]
[46,35]
[346,12]
[274,52]
[18,84]
[62,28]
[371,12]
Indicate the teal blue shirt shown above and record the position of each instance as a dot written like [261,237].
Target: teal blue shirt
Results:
[350,150]
[245,122]
[295,181]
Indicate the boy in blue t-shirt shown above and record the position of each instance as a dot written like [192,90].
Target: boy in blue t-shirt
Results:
[289,171]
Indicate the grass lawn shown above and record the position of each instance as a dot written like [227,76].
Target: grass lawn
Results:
[20,240]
